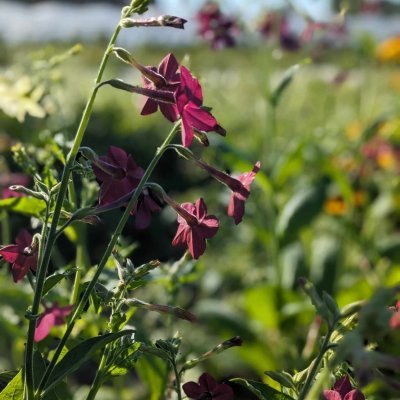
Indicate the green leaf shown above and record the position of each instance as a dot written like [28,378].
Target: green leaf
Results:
[80,354]
[15,388]
[23,205]
[52,280]
[6,377]
[301,209]
[283,378]
[154,373]
[261,390]
[126,360]
[286,80]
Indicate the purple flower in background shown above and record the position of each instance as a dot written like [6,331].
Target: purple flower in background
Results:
[117,173]
[168,70]
[216,27]
[189,101]
[14,178]
[342,390]
[287,39]
[119,176]
[208,389]
[52,316]
[195,226]
[21,255]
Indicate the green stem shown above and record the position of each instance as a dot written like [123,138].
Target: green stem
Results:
[82,260]
[43,265]
[98,379]
[316,363]
[29,386]
[177,381]
[114,238]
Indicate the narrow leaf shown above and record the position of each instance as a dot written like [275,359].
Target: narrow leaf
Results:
[80,354]
[23,205]
[15,389]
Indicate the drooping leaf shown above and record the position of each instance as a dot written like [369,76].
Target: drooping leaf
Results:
[80,354]
[301,209]
[261,390]
[23,205]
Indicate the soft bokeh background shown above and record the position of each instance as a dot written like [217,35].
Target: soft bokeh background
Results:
[326,204]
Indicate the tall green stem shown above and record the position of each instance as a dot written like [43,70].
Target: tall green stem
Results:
[44,263]
[114,238]
[316,363]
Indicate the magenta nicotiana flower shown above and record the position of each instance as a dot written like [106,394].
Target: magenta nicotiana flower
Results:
[189,98]
[119,176]
[240,187]
[195,226]
[208,389]
[22,255]
[342,390]
[216,27]
[168,69]
[8,179]
[52,316]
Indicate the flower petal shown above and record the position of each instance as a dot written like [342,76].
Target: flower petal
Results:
[150,107]
[199,118]
[207,382]
[10,253]
[45,323]
[331,395]
[354,395]
[192,390]
[24,238]
[223,392]
[168,66]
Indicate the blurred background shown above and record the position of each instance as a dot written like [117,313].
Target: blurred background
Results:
[326,204]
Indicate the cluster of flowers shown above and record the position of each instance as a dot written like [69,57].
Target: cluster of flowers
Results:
[119,176]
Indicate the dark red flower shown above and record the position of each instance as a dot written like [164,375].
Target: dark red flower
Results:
[241,193]
[268,25]
[195,226]
[215,27]
[189,101]
[240,187]
[119,176]
[168,70]
[342,390]
[208,389]
[146,205]
[52,316]
[21,255]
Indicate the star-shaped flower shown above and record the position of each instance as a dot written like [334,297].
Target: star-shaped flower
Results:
[21,255]
[208,389]
[52,316]
[168,70]
[195,226]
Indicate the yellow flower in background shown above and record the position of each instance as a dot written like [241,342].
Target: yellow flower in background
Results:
[335,206]
[389,50]
[354,129]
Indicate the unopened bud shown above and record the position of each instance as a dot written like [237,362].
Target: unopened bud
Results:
[29,192]
[88,153]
